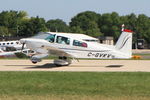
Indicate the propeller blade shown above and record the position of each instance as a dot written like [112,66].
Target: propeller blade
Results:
[22,46]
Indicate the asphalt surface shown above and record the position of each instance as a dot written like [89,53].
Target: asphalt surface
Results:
[81,66]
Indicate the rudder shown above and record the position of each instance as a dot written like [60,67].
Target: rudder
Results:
[124,43]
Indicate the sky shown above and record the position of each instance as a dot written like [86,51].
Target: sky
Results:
[67,9]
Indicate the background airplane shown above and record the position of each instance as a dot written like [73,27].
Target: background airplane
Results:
[9,54]
[12,54]
[69,45]
[10,45]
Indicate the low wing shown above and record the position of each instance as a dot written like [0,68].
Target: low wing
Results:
[56,51]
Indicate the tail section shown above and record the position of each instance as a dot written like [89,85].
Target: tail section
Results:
[124,44]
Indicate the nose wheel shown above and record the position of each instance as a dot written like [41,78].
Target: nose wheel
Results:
[34,62]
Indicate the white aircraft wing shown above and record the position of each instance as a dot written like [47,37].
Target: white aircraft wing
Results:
[56,51]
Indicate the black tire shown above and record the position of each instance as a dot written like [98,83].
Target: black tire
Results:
[34,62]
[58,65]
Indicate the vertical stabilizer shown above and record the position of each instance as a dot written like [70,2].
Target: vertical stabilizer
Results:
[124,44]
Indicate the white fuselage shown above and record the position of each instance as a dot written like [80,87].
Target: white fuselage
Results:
[70,45]
[93,49]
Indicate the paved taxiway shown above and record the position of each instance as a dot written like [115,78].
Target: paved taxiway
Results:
[82,65]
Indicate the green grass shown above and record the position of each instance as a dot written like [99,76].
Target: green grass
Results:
[74,85]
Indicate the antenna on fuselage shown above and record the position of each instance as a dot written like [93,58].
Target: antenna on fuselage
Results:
[122,27]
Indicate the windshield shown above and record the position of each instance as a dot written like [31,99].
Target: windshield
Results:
[50,38]
[41,35]
[46,36]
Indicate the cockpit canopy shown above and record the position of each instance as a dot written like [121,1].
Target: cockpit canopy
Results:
[49,35]
[66,38]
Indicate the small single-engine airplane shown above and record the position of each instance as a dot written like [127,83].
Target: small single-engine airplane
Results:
[71,45]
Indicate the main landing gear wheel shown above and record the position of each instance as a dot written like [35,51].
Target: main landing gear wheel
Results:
[62,61]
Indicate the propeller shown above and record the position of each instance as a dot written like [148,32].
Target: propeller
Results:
[23,42]
[22,46]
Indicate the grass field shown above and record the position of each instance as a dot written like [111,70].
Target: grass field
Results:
[74,86]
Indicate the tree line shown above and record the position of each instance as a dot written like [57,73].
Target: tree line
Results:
[17,23]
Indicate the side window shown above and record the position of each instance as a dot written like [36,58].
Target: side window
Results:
[51,38]
[63,40]
[79,43]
